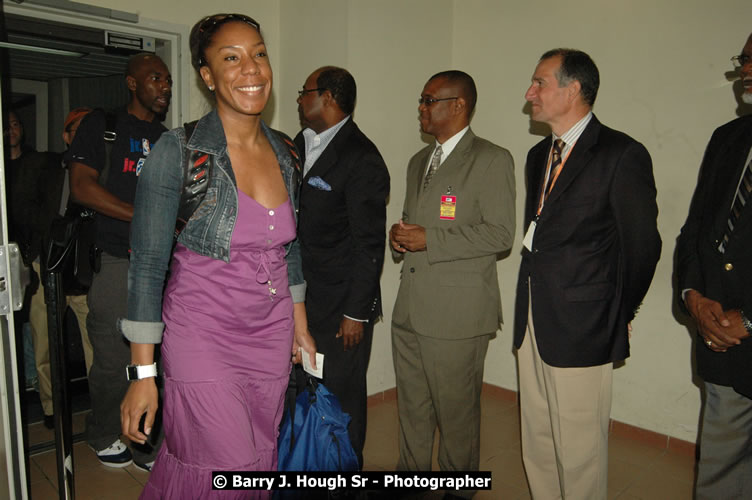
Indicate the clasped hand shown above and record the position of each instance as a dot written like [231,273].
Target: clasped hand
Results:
[720,329]
[407,237]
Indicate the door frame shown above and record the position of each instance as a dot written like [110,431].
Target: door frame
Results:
[13,473]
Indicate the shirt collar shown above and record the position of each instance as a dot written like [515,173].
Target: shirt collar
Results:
[571,136]
[451,143]
[324,138]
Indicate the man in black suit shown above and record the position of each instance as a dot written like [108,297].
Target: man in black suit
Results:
[714,274]
[342,232]
[590,251]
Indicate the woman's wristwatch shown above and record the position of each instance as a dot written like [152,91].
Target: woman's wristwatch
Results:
[140,372]
[746,322]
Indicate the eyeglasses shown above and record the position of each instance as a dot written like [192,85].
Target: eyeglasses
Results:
[741,60]
[430,100]
[303,92]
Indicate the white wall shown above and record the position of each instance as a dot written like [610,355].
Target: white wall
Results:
[377,43]
[662,81]
[662,70]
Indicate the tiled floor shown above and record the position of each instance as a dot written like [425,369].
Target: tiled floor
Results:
[637,470]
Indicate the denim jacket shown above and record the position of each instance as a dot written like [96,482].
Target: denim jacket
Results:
[209,230]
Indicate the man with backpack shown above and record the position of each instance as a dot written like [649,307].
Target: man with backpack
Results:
[103,178]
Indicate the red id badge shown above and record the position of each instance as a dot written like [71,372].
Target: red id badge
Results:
[448,207]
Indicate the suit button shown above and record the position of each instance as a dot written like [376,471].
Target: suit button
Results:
[412,269]
[728,266]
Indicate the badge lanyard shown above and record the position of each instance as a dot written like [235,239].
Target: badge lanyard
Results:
[527,241]
[544,195]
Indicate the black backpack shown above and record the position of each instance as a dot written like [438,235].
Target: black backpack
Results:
[72,249]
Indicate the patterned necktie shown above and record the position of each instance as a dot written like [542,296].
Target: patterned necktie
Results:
[555,165]
[743,195]
[435,160]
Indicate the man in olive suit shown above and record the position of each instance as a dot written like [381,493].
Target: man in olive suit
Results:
[459,214]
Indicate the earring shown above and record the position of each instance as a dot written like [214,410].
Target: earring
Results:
[211,88]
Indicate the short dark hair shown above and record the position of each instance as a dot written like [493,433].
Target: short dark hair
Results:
[14,112]
[135,61]
[203,32]
[6,123]
[577,65]
[6,126]
[465,83]
[341,84]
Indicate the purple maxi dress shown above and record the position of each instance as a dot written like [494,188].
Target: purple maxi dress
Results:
[226,355]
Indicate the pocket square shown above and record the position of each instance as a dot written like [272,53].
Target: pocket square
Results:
[319,183]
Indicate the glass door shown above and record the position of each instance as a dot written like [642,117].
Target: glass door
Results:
[13,482]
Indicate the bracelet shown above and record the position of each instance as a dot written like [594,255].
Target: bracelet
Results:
[746,322]
[140,372]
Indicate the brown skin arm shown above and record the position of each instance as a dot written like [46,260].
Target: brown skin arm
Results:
[351,332]
[87,191]
[141,397]
[723,328]
[303,338]
[407,237]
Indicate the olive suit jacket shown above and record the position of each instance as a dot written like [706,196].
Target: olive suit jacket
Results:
[451,290]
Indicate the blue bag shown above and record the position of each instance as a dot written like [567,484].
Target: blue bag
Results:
[313,436]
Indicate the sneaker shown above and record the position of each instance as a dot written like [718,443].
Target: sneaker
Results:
[116,455]
[146,467]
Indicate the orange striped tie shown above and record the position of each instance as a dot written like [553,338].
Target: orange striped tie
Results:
[555,165]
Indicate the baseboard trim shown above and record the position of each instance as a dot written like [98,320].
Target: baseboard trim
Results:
[651,438]
[382,397]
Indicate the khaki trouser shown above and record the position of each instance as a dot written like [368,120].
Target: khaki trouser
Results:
[564,417]
[40,338]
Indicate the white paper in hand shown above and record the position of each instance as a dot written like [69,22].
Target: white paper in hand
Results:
[319,371]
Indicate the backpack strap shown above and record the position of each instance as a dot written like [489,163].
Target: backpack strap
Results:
[110,121]
[196,169]
[109,136]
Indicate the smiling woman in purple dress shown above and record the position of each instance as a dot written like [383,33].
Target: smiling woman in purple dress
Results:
[232,312]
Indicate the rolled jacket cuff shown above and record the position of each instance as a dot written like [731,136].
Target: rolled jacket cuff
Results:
[298,293]
[141,332]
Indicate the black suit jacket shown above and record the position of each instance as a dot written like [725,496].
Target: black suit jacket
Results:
[342,229]
[35,187]
[726,278]
[595,248]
